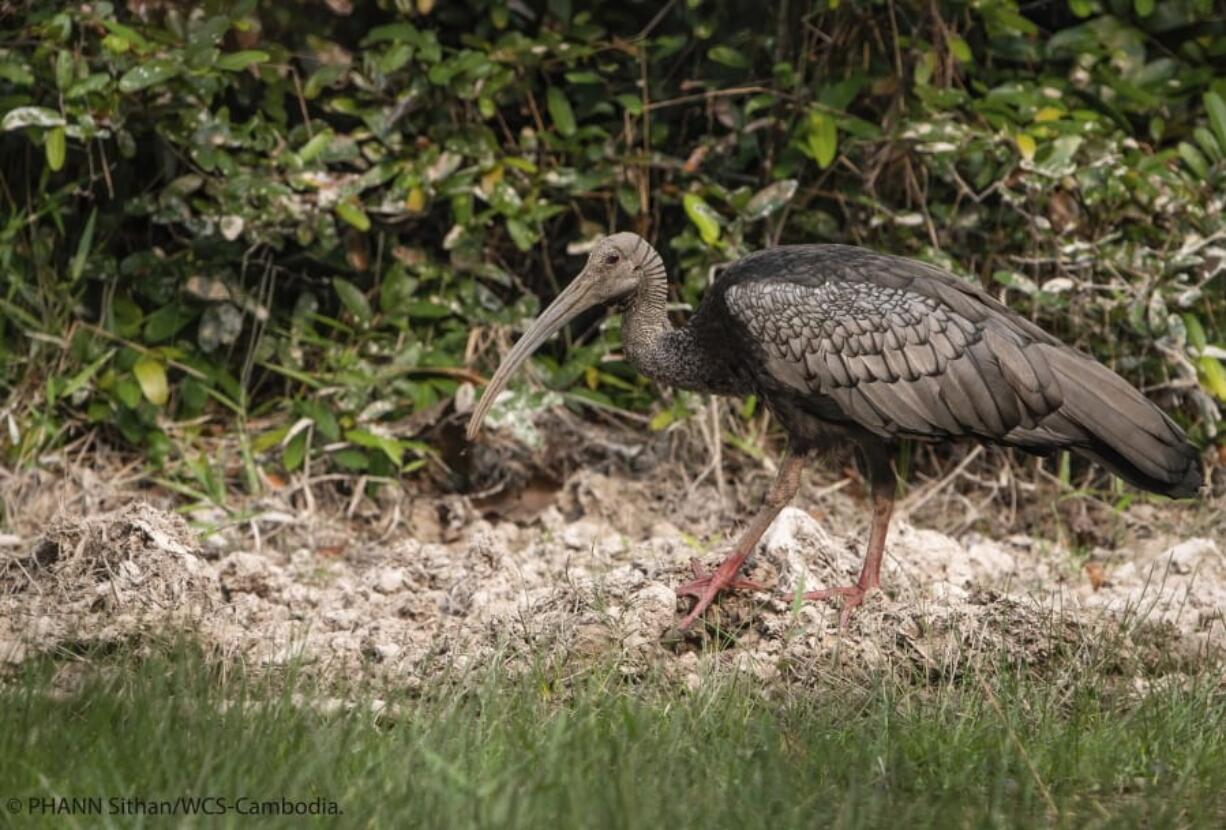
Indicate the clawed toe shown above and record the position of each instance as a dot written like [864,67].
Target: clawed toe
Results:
[853,597]
[706,585]
[702,583]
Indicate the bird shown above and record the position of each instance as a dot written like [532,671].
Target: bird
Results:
[850,347]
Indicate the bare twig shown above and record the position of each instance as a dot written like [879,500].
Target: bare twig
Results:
[711,94]
[920,498]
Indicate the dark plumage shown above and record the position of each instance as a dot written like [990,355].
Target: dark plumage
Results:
[849,346]
[896,348]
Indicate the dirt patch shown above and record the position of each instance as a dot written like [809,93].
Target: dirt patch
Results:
[105,578]
[592,577]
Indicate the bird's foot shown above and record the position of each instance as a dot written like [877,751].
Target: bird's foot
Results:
[853,597]
[703,579]
[706,586]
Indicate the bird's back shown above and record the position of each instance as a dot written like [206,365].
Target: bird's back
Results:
[880,273]
[896,347]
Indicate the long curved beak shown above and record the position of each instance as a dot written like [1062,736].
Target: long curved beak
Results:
[577,298]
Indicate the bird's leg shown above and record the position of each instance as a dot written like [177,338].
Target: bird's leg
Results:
[705,587]
[882,486]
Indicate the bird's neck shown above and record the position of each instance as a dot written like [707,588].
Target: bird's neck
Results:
[668,355]
[645,322]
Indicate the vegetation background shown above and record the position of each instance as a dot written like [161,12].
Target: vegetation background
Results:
[306,225]
[246,242]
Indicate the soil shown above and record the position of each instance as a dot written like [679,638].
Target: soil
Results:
[410,588]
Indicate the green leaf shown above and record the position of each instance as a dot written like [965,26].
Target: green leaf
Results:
[426,310]
[559,110]
[126,35]
[396,292]
[84,376]
[148,74]
[662,419]
[1193,158]
[1009,18]
[128,392]
[166,322]
[703,216]
[389,446]
[20,117]
[521,234]
[769,199]
[1212,376]
[1208,144]
[294,452]
[57,148]
[1060,159]
[325,422]
[353,214]
[77,266]
[633,104]
[728,56]
[1196,332]
[64,69]
[749,407]
[1157,128]
[1216,107]
[822,141]
[17,74]
[238,61]
[267,440]
[353,298]
[315,146]
[391,33]
[351,459]
[1143,8]
[1048,114]
[1026,146]
[960,49]
[151,375]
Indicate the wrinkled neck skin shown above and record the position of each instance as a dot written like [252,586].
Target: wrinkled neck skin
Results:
[665,354]
[645,322]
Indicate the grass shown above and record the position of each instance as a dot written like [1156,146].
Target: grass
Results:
[598,751]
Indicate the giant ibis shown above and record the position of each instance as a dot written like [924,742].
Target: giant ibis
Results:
[847,346]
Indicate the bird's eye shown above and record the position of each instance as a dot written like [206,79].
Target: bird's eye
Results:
[613,258]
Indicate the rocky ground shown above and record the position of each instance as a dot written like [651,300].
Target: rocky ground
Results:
[588,571]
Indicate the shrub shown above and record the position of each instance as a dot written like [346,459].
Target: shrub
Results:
[305,221]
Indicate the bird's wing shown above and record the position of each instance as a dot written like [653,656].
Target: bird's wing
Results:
[901,357]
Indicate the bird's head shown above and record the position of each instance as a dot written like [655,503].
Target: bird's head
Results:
[615,268]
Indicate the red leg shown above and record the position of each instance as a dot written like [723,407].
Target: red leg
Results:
[705,587]
[883,484]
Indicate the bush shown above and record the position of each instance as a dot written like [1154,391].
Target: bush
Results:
[305,221]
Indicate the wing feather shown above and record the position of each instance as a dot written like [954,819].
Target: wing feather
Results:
[896,361]
[904,348]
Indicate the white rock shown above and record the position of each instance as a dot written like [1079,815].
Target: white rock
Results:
[386,651]
[250,573]
[796,542]
[652,610]
[583,534]
[389,580]
[341,618]
[990,561]
[794,527]
[664,530]
[1186,555]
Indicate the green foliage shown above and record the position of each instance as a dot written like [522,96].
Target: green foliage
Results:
[254,214]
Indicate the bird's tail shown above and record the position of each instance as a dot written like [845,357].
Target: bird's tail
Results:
[1107,420]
